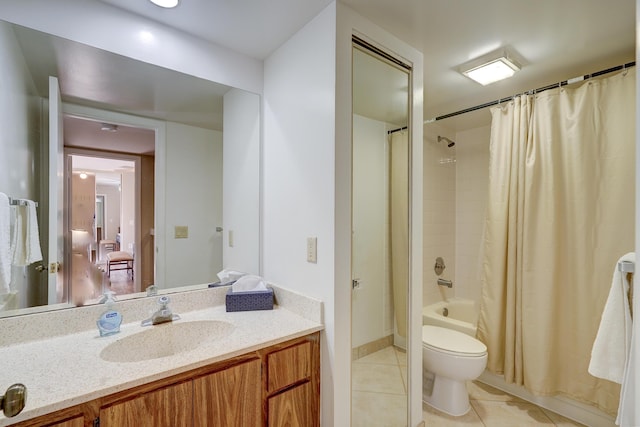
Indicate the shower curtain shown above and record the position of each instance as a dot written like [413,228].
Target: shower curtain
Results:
[399,230]
[560,213]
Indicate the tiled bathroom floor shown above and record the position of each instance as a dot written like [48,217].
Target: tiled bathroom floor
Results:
[379,400]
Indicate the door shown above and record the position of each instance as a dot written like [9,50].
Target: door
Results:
[229,398]
[56,202]
[379,237]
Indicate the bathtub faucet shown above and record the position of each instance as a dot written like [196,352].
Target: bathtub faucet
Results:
[444,282]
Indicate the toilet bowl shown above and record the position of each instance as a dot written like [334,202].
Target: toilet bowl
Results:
[450,359]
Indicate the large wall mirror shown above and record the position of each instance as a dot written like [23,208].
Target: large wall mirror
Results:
[153,179]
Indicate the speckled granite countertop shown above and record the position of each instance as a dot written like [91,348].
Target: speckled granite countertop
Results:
[67,370]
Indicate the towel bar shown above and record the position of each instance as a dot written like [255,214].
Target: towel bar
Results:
[19,202]
[626,267]
[629,268]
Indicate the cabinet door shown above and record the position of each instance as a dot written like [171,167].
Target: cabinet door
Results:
[167,407]
[229,398]
[292,407]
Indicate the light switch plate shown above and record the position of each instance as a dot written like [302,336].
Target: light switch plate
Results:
[230,238]
[181,232]
[312,249]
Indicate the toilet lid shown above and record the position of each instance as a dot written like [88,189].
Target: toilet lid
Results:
[451,341]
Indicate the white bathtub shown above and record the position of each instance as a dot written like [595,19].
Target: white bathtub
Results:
[462,315]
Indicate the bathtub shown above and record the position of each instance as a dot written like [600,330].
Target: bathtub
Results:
[462,315]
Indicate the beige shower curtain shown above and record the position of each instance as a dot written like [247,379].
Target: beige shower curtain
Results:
[399,230]
[560,213]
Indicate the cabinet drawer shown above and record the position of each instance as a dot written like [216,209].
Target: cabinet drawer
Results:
[287,366]
[292,408]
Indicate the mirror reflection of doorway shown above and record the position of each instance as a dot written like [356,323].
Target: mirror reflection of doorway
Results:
[102,220]
[380,238]
[100,214]
[111,247]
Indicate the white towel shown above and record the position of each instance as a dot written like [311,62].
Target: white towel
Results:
[626,410]
[26,237]
[5,245]
[611,346]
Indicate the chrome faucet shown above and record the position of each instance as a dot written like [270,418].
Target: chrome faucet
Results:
[162,315]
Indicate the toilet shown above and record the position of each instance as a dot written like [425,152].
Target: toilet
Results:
[450,359]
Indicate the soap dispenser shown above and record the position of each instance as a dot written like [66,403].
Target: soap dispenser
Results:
[110,320]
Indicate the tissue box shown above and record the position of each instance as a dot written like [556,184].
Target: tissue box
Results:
[246,301]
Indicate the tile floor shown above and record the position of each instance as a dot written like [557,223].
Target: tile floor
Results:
[379,400]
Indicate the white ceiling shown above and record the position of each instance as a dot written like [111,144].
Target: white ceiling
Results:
[83,133]
[118,83]
[557,39]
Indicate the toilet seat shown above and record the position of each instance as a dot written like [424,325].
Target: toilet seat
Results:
[452,342]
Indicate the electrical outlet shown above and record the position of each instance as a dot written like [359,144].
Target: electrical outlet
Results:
[181,232]
[312,249]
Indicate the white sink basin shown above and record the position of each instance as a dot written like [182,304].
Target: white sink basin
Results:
[167,339]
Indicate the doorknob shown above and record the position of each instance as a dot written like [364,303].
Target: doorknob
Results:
[13,400]
[41,268]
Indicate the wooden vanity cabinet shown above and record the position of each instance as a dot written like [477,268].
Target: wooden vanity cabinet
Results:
[291,383]
[273,387]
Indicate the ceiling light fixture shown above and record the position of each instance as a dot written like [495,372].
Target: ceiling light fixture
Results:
[108,127]
[167,4]
[490,68]
[83,175]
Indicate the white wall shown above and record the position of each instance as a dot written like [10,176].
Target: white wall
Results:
[241,181]
[439,212]
[372,305]
[299,178]
[472,185]
[193,191]
[19,136]
[78,20]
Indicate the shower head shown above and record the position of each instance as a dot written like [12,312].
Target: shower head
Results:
[449,142]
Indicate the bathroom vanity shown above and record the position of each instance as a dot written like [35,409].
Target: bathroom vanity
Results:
[261,368]
[274,386]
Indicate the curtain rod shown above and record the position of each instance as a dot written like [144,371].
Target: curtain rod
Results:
[541,89]
[389,132]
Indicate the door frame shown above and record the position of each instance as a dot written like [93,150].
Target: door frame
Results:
[159,128]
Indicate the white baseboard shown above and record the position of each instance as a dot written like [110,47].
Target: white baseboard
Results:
[577,411]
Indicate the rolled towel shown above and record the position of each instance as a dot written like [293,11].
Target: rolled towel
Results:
[5,244]
[26,237]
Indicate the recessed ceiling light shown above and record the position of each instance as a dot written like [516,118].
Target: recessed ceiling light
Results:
[490,68]
[165,3]
[83,175]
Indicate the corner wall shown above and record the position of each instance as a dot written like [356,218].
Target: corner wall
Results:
[299,177]
[19,145]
